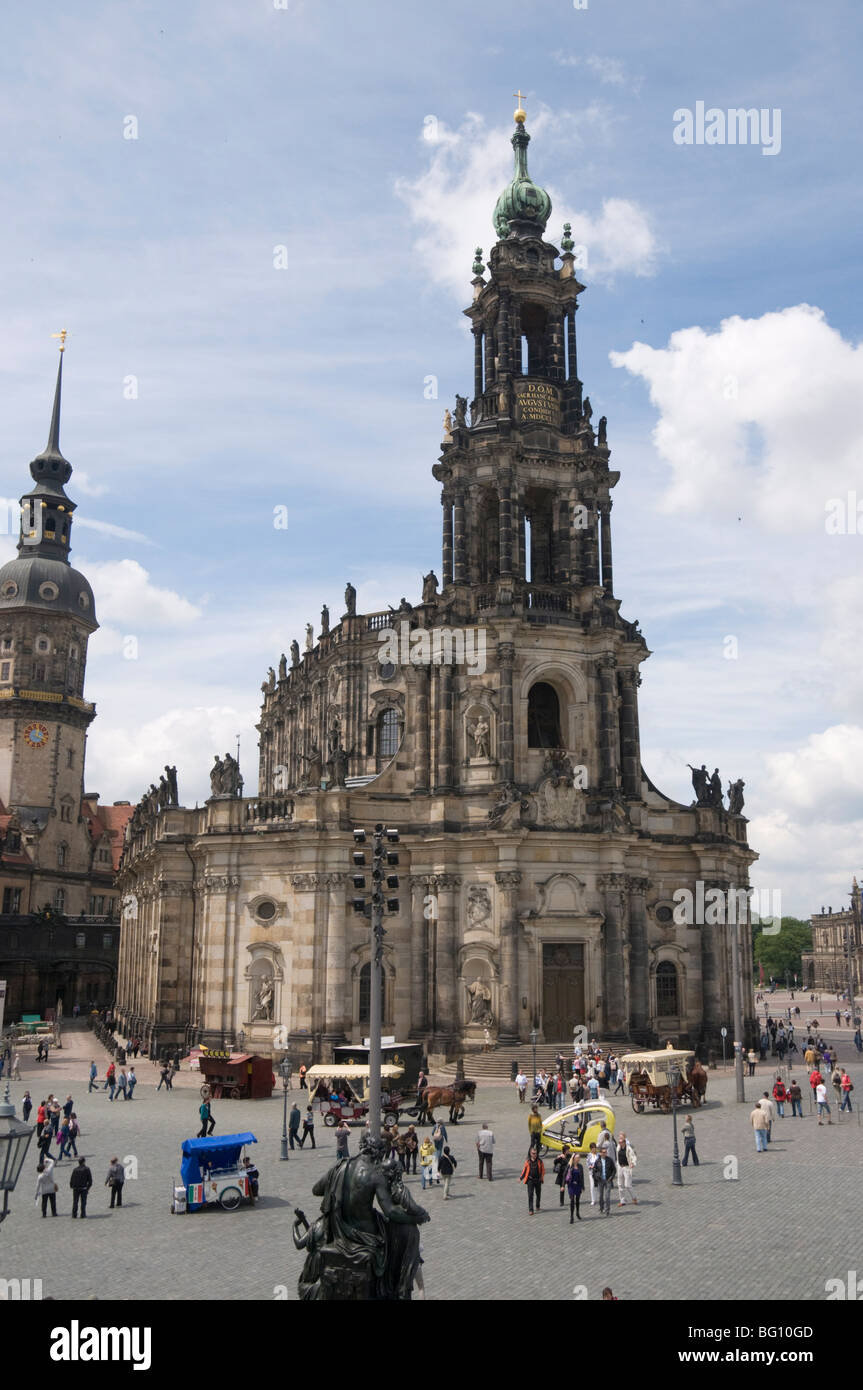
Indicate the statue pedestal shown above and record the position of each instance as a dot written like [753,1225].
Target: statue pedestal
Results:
[259,1037]
[480,772]
[473,1035]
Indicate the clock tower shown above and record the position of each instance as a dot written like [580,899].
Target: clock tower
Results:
[47,615]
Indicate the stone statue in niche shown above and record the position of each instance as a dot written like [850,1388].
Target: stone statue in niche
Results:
[316,767]
[264,1000]
[479,995]
[480,733]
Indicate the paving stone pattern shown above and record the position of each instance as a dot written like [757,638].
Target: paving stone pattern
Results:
[790,1221]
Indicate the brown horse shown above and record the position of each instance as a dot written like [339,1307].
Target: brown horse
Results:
[697,1082]
[454,1096]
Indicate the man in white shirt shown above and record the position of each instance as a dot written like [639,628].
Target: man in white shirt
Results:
[769,1108]
[821,1102]
[485,1149]
[521,1086]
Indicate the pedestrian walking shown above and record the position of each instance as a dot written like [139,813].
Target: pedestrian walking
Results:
[751,1059]
[446,1168]
[94,1072]
[521,1086]
[769,1108]
[131,1083]
[308,1128]
[780,1095]
[533,1176]
[689,1142]
[627,1160]
[165,1077]
[592,1158]
[821,1102]
[847,1088]
[294,1118]
[534,1125]
[63,1139]
[303,1086]
[560,1166]
[110,1074]
[605,1141]
[426,1161]
[485,1150]
[593,1088]
[343,1134]
[836,1083]
[122,1083]
[604,1173]
[208,1124]
[74,1131]
[815,1079]
[412,1148]
[253,1178]
[16,1067]
[621,1078]
[758,1121]
[46,1187]
[26,1107]
[439,1138]
[795,1095]
[80,1181]
[574,1186]
[41,1113]
[115,1179]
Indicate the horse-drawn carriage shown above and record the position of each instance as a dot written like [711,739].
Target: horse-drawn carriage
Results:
[453,1096]
[651,1076]
[351,1104]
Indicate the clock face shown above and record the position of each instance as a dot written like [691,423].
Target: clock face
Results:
[36,736]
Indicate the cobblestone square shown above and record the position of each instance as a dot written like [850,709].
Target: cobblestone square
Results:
[787,1223]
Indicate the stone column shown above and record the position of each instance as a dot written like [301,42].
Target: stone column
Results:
[605,539]
[570,333]
[419,956]
[447,1023]
[460,556]
[446,503]
[554,340]
[477,361]
[614,892]
[421,728]
[504,335]
[505,509]
[630,755]
[515,318]
[576,538]
[506,749]
[590,563]
[443,713]
[335,986]
[521,539]
[508,881]
[638,960]
[607,723]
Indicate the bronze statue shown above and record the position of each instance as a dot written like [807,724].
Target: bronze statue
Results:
[603,426]
[735,796]
[429,587]
[325,621]
[716,789]
[171,774]
[700,784]
[357,1251]
[350,601]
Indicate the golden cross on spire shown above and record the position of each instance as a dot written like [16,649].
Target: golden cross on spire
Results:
[62,336]
[519,114]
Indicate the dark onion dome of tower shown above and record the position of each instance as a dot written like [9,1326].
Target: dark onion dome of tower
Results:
[523,208]
[41,576]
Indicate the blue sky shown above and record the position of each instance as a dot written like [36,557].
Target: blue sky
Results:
[205,386]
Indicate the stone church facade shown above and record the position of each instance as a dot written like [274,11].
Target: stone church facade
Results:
[495,724]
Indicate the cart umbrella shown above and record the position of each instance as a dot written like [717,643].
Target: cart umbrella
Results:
[219,1151]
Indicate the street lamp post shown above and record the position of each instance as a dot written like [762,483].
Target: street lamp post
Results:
[382,883]
[676,1175]
[14,1142]
[285,1073]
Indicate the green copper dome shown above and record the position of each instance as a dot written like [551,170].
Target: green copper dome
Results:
[523,207]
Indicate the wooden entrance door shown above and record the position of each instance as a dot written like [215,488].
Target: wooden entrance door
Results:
[562,989]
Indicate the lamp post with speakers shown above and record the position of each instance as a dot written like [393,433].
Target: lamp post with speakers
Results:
[372,903]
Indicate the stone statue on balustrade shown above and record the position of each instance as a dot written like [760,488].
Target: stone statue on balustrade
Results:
[429,587]
[735,796]
[225,777]
[350,601]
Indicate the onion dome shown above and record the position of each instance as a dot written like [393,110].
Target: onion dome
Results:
[523,208]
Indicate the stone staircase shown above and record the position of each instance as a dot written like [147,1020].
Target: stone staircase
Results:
[497,1064]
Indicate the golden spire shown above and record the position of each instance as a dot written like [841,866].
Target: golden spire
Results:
[519,115]
[62,336]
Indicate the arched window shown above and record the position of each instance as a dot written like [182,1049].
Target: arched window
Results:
[543,717]
[59,900]
[666,990]
[365,1012]
[61,856]
[388,735]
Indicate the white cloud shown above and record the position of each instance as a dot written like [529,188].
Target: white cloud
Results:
[766,410]
[187,737]
[126,595]
[610,71]
[107,528]
[453,199]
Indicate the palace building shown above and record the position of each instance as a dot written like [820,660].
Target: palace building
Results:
[494,722]
[837,937]
[59,848]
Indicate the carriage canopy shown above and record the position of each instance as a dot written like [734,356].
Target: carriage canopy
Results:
[658,1064]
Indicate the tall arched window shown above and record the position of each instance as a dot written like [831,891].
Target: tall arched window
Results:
[666,990]
[543,717]
[365,1011]
[61,856]
[388,735]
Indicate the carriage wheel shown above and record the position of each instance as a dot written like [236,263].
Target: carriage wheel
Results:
[235,1093]
[330,1120]
[205,1092]
[637,1104]
[230,1198]
[696,1099]
[665,1104]
[391,1117]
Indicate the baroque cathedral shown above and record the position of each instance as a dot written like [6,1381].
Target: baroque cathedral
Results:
[495,724]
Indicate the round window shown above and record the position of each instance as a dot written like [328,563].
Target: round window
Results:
[265,911]
[387,670]
[43,644]
[10,589]
[665,914]
[83,600]
[48,591]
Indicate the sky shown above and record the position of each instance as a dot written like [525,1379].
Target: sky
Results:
[257,222]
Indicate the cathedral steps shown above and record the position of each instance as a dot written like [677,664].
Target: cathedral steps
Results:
[497,1064]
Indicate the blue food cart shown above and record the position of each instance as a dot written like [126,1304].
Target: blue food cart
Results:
[211,1172]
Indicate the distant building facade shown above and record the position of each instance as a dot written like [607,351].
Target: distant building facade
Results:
[836,936]
[59,847]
